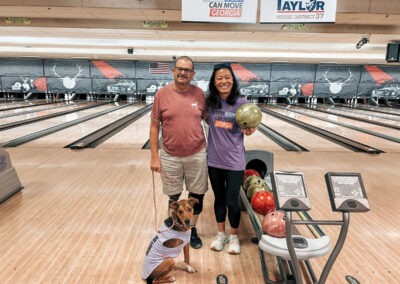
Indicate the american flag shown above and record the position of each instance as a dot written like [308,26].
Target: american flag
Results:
[158,68]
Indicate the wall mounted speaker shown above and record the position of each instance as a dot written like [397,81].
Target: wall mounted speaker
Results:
[392,52]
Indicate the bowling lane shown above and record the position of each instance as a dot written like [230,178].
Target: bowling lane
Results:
[133,136]
[360,124]
[4,104]
[8,104]
[23,130]
[44,110]
[258,141]
[64,137]
[306,139]
[395,111]
[379,117]
[34,103]
[361,137]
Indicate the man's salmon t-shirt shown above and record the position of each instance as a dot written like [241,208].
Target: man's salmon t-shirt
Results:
[180,115]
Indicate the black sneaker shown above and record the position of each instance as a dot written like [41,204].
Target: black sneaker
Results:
[195,241]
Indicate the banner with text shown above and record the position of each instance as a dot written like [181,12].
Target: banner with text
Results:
[300,11]
[220,11]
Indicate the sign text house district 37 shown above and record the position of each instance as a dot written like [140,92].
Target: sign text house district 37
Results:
[298,11]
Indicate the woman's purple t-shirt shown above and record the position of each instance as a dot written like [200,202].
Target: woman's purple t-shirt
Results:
[225,140]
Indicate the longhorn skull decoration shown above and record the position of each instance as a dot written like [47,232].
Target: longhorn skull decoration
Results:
[68,82]
[336,87]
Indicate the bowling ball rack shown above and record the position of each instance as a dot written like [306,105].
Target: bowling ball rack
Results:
[346,193]
[317,247]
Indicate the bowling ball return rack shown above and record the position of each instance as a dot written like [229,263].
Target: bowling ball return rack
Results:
[277,246]
[263,163]
[346,193]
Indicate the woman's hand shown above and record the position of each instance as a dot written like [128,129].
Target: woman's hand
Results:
[248,131]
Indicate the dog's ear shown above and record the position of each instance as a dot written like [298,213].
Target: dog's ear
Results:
[193,201]
[174,205]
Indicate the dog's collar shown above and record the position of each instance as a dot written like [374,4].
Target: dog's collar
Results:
[171,222]
[176,222]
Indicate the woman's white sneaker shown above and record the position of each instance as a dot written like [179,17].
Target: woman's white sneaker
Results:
[234,246]
[220,240]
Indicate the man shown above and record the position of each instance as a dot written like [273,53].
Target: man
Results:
[180,108]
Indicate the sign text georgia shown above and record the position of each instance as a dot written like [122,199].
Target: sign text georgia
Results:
[225,11]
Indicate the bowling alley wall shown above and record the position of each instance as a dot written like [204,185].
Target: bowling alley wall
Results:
[141,77]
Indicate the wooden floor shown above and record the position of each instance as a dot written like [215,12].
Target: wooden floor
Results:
[88,216]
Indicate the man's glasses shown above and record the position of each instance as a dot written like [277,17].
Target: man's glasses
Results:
[222,65]
[186,70]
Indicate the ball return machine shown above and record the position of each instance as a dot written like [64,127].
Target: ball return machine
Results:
[347,194]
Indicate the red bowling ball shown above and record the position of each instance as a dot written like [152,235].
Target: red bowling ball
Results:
[249,172]
[273,224]
[263,202]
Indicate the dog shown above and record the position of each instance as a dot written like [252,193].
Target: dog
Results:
[167,244]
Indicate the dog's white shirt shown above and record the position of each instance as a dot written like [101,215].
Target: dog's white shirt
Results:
[156,252]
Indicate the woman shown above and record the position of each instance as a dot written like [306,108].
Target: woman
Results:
[226,155]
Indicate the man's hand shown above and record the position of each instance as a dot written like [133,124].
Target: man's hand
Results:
[155,164]
[248,131]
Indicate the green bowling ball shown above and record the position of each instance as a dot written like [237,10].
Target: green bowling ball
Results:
[252,180]
[248,116]
[253,190]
